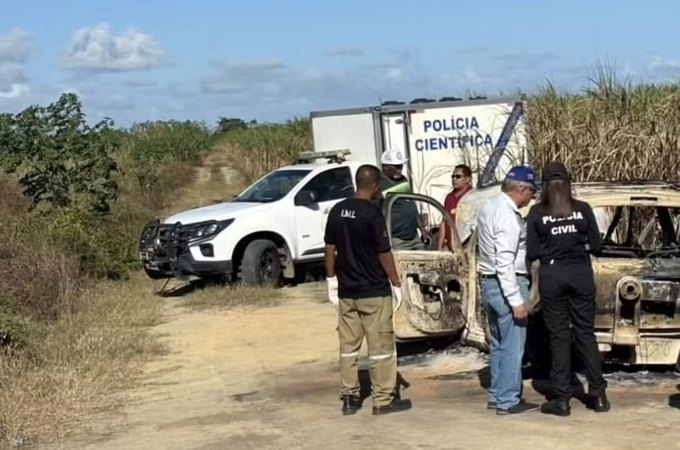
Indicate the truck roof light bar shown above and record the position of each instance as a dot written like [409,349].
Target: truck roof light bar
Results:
[333,156]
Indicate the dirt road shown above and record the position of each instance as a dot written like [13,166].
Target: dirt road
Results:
[266,379]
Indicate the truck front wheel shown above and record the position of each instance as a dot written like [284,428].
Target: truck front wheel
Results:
[261,264]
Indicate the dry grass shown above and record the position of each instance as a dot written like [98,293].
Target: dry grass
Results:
[257,150]
[39,281]
[144,202]
[213,183]
[253,163]
[75,363]
[234,296]
[613,131]
[12,202]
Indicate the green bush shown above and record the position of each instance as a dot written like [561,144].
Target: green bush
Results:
[60,159]
[93,188]
[13,327]
[102,251]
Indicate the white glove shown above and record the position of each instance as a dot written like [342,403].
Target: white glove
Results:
[396,294]
[333,290]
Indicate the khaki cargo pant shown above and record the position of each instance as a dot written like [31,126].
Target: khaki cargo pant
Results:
[372,318]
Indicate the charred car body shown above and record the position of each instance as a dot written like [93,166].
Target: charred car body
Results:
[637,275]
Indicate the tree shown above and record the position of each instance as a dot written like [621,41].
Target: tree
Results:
[226,124]
[60,159]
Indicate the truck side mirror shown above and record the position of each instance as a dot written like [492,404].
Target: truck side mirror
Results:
[305,198]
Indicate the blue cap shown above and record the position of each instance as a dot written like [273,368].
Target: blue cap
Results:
[523,173]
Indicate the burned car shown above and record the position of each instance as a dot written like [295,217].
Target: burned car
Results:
[637,274]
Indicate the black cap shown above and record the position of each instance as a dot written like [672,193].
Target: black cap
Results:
[555,171]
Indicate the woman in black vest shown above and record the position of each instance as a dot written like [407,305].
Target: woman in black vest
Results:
[562,233]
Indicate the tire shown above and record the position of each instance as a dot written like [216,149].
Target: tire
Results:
[261,264]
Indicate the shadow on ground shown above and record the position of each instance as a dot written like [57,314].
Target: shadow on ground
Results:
[177,291]
[365,384]
[674,399]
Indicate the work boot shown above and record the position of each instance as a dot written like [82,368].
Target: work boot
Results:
[556,407]
[395,406]
[350,404]
[600,403]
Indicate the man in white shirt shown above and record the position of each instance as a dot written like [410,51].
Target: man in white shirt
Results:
[504,285]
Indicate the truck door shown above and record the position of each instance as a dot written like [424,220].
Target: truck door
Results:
[434,283]
[327,189]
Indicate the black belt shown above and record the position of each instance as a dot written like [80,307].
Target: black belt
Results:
[486,276]
[567,260]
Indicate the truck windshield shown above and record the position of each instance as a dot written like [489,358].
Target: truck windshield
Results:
[273,186]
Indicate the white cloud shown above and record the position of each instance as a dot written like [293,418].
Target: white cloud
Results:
[664,68]
[15,46]
[660,62]
[273,86]
[11,73]
[473,50]
[16,90]
[98,49]
[394,73]
[345,51]
[528,59]
[15,49]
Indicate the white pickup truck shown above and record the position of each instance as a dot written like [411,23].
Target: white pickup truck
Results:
[271,230]
[276,226]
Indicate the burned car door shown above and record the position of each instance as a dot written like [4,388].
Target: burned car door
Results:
[638,283]
[434,283]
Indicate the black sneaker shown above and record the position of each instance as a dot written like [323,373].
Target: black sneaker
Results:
[396,406]
[493,405]
[600,404]
[350,404]
[556,407]
[519,408]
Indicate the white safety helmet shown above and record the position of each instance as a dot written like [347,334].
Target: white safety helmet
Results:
[393,158]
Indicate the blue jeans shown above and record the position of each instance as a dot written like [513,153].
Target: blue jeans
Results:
[507,343]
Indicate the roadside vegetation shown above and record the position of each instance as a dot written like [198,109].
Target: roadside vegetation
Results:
[256,149]
[73,199]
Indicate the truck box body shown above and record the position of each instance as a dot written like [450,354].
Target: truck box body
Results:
[435,136]
[352,129]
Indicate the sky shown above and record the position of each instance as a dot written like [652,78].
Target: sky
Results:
[272,61]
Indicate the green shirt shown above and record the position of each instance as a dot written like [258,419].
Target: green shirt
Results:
[404,212]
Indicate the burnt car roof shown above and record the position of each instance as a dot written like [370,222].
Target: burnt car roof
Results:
[628,192]
[596,193]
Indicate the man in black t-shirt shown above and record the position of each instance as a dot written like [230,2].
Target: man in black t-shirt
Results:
[365,270]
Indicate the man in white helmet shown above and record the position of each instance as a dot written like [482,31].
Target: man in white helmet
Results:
[405,218]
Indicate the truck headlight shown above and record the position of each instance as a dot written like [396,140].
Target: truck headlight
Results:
[210,229]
